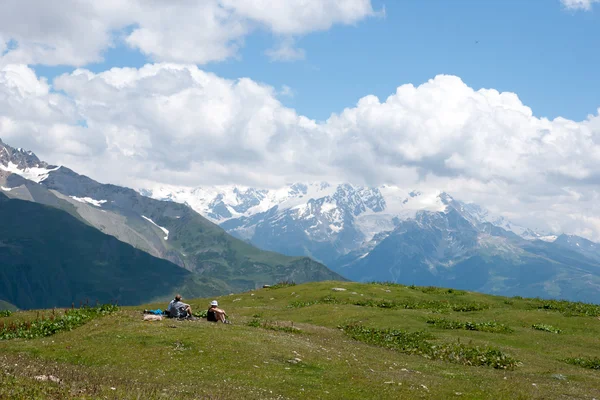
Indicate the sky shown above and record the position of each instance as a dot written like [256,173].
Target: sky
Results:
[495,102]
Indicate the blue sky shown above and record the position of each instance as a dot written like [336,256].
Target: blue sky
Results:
[546,54]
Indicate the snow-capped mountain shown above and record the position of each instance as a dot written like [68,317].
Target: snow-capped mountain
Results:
[317,219]
[222,203]
[407,236]
[24,163]
[323,220]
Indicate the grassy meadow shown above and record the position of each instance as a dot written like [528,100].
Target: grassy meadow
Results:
[316,341]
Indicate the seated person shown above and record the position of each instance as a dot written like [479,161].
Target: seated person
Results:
[179,309]
[215,314]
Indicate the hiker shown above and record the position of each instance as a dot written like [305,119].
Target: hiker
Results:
[216,314]
[179,309]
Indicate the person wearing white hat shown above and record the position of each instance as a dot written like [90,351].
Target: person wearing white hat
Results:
[216,314]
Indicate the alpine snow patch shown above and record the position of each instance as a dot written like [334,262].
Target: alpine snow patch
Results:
[165,230]
[88,200]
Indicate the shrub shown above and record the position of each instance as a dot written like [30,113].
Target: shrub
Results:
[255,323]
[378,303]
[386,283]
[436,305]
[590,363]
[470,307]
[419,343]
[439,290]
[300,304]
[54,323]
[569,308]
[5,313]
[489,326]
[282,284]
[546,328]
[445,323]
[430,304]
[323,300]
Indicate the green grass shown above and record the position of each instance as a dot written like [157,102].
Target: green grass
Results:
[256,322]
[274,351]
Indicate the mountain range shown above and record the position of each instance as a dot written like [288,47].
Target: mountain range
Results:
[389,233]
[207,259]
[226,239]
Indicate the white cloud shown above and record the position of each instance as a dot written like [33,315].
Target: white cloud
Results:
[579,4]
[297,17]
[78,32]
[286,51]
[176,124]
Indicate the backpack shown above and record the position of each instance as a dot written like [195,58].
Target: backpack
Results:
[211,316]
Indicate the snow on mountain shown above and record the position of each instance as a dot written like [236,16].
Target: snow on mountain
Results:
[89,200]
[222,203]
[24,163]
[326,210]
[35,174]
[165,230]
[397,204]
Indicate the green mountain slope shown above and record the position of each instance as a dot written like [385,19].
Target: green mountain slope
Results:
[192,241]
[359,341]
[4,305]
[171,231]
[49,258]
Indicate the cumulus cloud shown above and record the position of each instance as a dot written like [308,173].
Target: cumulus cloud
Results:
[78,32]
[579,4]
[38,118]
[296,17]
[177,124]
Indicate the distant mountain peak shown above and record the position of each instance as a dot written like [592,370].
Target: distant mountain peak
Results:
[23,162]
[446,198]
